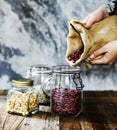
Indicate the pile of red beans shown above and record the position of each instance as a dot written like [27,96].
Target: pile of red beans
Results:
[75,56]
[66,102]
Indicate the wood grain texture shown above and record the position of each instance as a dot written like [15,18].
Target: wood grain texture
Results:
[99,113]
[39,121]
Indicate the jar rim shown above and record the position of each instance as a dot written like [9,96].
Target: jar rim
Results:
[37,69]
[66,69]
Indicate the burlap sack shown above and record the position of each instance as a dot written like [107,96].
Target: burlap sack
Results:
[82,42]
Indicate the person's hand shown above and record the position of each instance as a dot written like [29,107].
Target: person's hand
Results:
[96,16]
[107,54]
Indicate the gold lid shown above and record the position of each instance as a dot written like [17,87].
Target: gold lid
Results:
[22,82]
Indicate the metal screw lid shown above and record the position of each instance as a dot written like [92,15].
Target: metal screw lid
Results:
[22,82]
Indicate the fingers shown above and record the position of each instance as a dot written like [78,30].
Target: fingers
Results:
[98,57]
[98,52]
[103,57]
[102,60]
[96,16]
[89,20]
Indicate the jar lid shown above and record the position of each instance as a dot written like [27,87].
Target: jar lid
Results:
[22,82]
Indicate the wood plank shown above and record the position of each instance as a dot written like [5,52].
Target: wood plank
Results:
[94,126]
[69,123]
[35,122]
[3,92]
[99,96]
[40,121]
[8,121]
[99,113]
[12,122]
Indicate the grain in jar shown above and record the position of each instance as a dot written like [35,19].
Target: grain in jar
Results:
[22,98]
[39,73]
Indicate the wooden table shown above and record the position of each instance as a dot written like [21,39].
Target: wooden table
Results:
[99,113]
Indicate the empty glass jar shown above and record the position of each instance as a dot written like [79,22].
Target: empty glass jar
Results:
[38,73]
[66,90]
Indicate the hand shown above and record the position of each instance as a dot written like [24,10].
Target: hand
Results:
[96,16]
[107,54]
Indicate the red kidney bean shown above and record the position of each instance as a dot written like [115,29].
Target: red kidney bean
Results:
[75,56]
[66,102]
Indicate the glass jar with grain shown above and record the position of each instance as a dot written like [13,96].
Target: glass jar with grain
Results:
[22,99]
[39,73]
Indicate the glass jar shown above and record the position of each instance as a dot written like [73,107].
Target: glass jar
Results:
[38,73]
[22,98]
[66,90]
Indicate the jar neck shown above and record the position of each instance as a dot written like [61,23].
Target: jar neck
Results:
[22,89]
[68,80]
[66,69]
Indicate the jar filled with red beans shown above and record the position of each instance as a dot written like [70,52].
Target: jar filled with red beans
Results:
[66,91]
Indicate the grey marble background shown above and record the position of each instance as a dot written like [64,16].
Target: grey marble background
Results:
[34,32]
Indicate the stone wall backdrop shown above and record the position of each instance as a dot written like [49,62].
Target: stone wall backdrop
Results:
[34,32]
